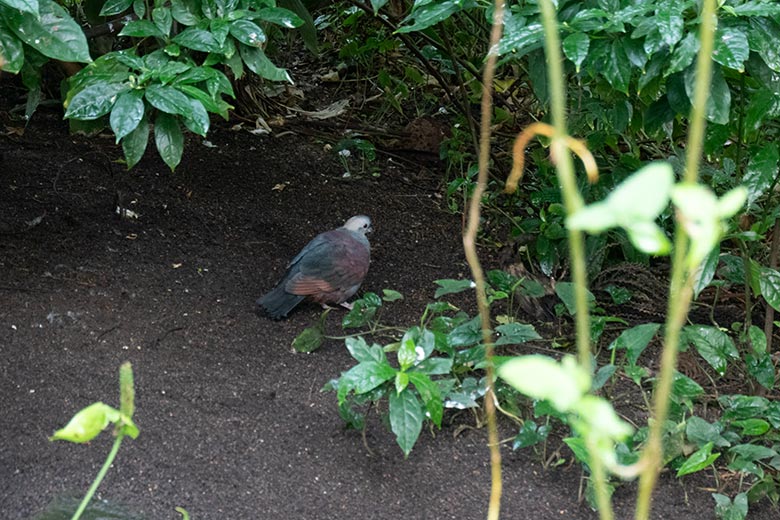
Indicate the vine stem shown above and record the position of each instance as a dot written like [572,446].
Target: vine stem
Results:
[470,250]
[99,478]
[681,285]
[572,200]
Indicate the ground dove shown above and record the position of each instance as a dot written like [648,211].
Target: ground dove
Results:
[329,269]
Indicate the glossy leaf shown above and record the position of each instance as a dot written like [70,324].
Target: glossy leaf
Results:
[719,98]
[698,461]
[700,432]
[761,171]
[141,29]
[169,139]
[162,19]
[26,6]
[530,434]
[575,47]
[763,37]
[134,144]
[725,509]
[87,423]
[54,33]
[426,15]
[452,287]
[731,48]
[248,33]
[364,377]
[520,38]
[11,50]
[127,113]
[185,12]
[669,21]
[430,394]
[635,340]
[363,311]
[466,334]
[94,101]
[280,16]
[112,7]
[168,99]
[714,345]
[752,427]
[706,272]
[769,282]
[196,39]
[684,53]
[359,349]
[197,119]
[406,418]
[617,67]
[259,63]
[516,333]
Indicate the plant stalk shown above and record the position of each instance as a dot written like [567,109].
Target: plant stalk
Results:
[99,478]
[470,250]
[681,285]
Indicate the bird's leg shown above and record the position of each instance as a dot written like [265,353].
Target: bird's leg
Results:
[347,305]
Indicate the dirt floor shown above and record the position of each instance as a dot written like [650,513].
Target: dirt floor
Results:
[233,423]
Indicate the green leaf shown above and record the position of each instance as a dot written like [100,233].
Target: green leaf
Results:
[363,311]
[406,418]
[406,352]
[259,63]
[565,291]
[635,340]
[431,396]
[364,377]
[359,349]
[669,21]
[450,286]
[761,171]
[169,139]
[134,144]
[521,37]
[617,67]
[541,377]
[699,460]
[54,33]
[168,99]
[248,33]
[752,427]
[769,282]
[401,381]
[714,345]
[516,333]
[731,48]
[433,366]
[726,510]
[197,120]
[761,368]
[752,452]
[11,50]
[87,423]
[466,334]
[530,434]
[706,272]
[683,54]
[309,340]
[280,16]
[426,15]
[127,113]
[141,29]
[575,47]
[185,12]
[217,106]
[731,202]
[94,101]
[758,340]
[602,376]
[700,432]
[390,295]
[763,37]
[719,98]
[112,7]
[162,19]
[648,238]
[26,6]
[308,30]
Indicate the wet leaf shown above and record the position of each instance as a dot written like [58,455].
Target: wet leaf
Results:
[169,139]
[699,460]
[406,418]
[127,113]
[54,33]
[635,340]
[430,394]
[516,333]
[95,100]
[575,47]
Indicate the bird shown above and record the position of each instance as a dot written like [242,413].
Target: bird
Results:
[328,270]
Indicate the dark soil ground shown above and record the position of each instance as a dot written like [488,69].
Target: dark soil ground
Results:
[233,423]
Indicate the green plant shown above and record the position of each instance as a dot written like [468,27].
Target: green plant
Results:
[90,421]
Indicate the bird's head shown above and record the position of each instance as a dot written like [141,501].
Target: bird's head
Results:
[359,223]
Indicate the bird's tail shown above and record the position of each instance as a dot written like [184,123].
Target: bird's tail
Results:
[278,303]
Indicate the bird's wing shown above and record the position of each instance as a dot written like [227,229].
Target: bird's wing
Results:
[332,261]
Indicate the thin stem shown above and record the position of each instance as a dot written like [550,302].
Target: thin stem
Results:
[681,285]
[99,478]
[565,169]
[470,249]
